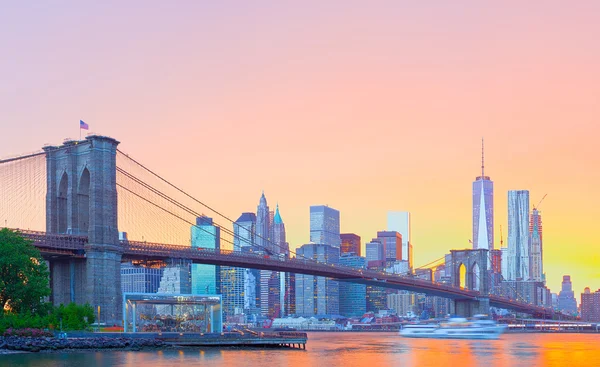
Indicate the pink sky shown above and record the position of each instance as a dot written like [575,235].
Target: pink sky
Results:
[367,107]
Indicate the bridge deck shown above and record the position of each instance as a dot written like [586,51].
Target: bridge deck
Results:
[69,245]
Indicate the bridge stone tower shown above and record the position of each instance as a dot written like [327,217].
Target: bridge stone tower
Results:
[81,199]
[475,264]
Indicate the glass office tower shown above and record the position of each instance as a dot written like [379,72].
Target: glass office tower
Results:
[206,279]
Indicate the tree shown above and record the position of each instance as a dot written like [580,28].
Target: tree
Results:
[23,275]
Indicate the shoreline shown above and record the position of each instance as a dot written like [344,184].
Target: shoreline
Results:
[150,341]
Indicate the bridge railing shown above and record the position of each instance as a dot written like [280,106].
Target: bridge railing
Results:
[55,241]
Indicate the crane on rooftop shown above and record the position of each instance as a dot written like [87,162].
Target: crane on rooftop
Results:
[536,207]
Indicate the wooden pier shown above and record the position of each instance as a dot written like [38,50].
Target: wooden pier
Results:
[237,338]
[295,340]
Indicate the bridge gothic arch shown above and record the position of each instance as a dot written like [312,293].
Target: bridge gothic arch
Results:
[473,264]
[83,201]
[62,203]
[462,275]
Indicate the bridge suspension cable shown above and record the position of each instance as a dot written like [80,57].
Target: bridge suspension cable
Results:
[431,263]
[186,208]
[23,192]
[171,213]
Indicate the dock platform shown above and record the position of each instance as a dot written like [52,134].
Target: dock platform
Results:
[239,338]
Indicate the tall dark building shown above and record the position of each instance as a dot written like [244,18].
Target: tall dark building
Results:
[289,296]
[350,243]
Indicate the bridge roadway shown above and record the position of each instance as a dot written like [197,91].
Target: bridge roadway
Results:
[60,245]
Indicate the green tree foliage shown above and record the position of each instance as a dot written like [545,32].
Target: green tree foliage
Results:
[23,275]
[74,317]
[71,317]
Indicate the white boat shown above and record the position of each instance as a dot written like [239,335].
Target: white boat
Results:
[455,328]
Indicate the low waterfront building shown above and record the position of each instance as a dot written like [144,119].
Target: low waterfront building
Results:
[153,312]
[307,324]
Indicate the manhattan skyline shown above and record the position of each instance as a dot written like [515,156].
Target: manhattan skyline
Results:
[366,109]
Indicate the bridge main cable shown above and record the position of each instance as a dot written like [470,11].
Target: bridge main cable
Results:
[18,158]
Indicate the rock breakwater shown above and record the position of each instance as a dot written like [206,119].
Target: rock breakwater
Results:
[27,344]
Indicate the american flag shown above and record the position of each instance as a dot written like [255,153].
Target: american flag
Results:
[83,125]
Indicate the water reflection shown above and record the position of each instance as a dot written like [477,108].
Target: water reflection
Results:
[352,349]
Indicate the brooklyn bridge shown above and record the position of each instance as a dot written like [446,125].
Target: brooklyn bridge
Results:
[73,200]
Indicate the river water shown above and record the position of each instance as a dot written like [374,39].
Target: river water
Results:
[351,349]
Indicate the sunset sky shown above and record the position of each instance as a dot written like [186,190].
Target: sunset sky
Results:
[364,106]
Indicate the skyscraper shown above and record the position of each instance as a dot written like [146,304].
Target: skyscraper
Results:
[483,210]
[206,279]
[375,251]
[392,242]
[283,249]
[232,290]
[353,296]
[244,240]
[280,245]
[325,225]
[272,282]
[317,295]
[289,294]
[268,281]
[518,235]
[400,222]
[140,279]
[566,297]
[244,230]
[350,243]
[263,226]
[270,293]
[536,251]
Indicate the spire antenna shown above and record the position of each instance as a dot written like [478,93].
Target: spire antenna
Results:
[482,159]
